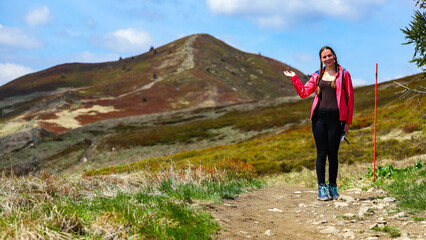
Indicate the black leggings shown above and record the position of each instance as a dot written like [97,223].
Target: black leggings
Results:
[327,129]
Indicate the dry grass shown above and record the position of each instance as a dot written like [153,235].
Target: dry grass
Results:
[30,210]
[141,204]
[67,118]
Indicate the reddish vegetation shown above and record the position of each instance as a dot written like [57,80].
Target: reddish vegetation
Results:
[221,75]
[47,116]
[51,127]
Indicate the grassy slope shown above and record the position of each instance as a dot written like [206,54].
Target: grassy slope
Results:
[273,136]
[400,134]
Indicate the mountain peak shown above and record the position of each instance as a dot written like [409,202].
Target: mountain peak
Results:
[195,71]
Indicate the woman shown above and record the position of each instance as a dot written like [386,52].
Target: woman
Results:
[331,115]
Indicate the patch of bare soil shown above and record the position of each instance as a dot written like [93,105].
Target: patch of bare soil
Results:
[287,212]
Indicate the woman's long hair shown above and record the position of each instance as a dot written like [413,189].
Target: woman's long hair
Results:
[321,70]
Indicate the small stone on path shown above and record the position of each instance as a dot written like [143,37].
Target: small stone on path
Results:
[341,204]
[380,206]
[330,230]
[348,234]
[362,211]
[319,222]
[399,215]
[381,221]
[269,233]
[389,199]
[275,210]
[347,198]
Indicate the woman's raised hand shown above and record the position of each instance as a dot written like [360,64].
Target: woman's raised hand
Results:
[289,73]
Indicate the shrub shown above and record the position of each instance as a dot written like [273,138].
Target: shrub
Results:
[409,127]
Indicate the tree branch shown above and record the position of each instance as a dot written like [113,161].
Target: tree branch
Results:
[410,89]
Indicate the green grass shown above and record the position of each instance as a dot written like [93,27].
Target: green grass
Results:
[407,185]
[166,204]
[392,231]
[211,191]
[418,219]
[144,214]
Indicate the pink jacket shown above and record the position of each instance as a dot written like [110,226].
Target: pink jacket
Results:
[306,90]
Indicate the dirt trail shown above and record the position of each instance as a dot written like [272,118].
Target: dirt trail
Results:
[287,212]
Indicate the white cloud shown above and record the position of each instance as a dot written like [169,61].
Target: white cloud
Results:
[357,82]
[15,37]
[129,40]
[38,17]
[10,71]
[284,13]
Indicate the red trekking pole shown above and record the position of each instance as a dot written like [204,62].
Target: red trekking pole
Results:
[375,123]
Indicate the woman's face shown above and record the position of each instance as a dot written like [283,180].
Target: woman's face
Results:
[327,57]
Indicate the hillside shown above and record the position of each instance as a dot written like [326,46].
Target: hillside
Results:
[193,72]
[277,137]
[272,135]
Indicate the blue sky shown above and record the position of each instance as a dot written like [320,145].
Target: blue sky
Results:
[36,34]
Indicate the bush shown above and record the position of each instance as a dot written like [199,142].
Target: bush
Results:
[409,127]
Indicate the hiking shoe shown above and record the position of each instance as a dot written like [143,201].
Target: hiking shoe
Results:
[332,189]
[322,193]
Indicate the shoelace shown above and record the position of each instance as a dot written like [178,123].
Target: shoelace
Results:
[323,190]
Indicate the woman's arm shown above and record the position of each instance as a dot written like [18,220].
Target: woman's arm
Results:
[303,90]
[350,95]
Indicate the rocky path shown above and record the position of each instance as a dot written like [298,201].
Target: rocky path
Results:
[284,212]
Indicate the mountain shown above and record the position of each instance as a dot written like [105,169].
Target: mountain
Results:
[193,72]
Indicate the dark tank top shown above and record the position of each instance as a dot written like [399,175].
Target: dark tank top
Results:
[328,100]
